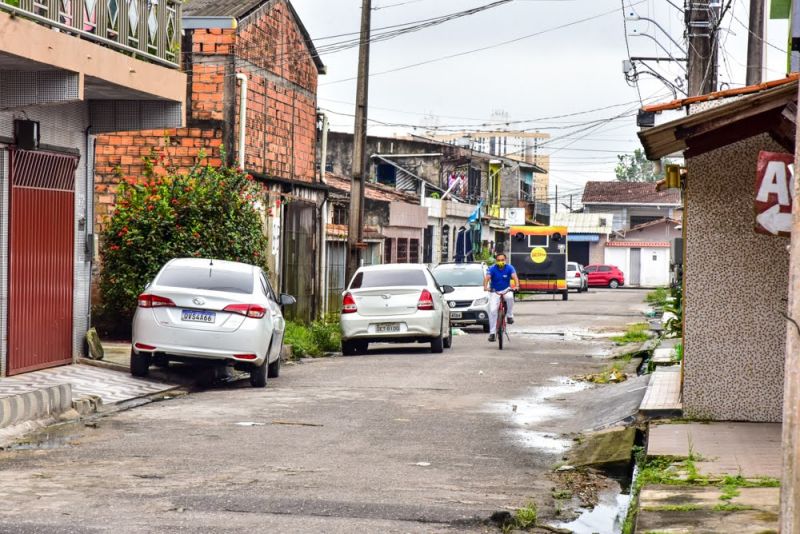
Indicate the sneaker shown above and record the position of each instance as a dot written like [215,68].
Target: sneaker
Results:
[510,320]
[492,338]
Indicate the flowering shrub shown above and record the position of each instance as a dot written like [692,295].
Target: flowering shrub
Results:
[207,213]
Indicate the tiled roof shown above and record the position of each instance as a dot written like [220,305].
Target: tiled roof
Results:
[628,193]
[677,104]
[374,191]
[239,9]
[220,8]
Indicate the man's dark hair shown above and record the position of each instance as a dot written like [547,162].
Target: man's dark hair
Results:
[496,256]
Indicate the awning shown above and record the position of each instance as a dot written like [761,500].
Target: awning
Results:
[583,238]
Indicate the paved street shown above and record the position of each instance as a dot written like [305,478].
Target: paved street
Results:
[399,440]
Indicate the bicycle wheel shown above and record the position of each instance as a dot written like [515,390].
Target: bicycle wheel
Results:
[501,325]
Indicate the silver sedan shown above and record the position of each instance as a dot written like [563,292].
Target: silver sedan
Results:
[215,311]
[399,303]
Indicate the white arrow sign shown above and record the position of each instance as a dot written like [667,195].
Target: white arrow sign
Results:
[775,222]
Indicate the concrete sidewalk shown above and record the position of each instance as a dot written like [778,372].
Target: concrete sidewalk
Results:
[38,398]
[731,478]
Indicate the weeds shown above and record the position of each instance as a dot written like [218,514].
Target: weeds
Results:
[314,340]
[657,298]
[636,333]
[526,516]
[561,495]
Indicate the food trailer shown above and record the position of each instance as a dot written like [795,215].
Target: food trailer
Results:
[539,254]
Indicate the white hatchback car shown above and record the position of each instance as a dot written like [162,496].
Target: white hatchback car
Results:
[210,310]
[577,277]
[469,303]
[398,303]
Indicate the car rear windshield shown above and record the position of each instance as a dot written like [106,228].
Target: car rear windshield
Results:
[207,278]
[389,278]
[459,277]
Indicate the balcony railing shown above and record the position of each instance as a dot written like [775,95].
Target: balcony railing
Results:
[149,29]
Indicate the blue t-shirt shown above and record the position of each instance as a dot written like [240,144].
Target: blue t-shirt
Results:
[501,278]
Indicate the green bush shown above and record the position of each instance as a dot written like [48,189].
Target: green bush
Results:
[658,297]
[208,212]
[314,340]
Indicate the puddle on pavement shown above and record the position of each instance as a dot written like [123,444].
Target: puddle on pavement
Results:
[534,409]
[608,516]
[46,441]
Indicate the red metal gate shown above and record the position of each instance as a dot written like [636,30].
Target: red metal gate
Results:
[41,252]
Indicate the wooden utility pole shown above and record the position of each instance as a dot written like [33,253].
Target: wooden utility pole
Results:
[755,43]
[702,34]
[355,234]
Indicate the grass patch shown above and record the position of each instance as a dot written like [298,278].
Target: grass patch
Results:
[673,508]
[561,495]
[728,507]
[678,356]
[636,333]
[658,297]
[526,516]
[312,340]
[729,492]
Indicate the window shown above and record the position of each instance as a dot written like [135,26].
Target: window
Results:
[591,268]
[389,278]
[427,251]
[636,220]
[537,241]
[387,174]
[340,214]
[459,276]
[402,251]
[413,251]
[605,269]
[571,267]
[207,278]
[387,250]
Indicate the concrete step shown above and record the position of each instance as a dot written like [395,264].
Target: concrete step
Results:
[663,395]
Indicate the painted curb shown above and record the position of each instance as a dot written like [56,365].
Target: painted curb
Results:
[36,404]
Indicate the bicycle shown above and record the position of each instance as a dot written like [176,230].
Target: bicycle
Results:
[501,317]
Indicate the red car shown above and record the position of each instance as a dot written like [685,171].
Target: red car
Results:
[605,276]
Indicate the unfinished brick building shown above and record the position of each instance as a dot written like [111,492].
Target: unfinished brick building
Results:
[259,49]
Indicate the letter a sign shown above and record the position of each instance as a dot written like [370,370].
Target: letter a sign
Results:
[774,193]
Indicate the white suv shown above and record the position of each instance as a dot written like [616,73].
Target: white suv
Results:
[469,303]
[398,303]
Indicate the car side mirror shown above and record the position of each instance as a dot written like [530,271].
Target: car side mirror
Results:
[287,300]
[447,289]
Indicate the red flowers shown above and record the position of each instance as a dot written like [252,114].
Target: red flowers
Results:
[114,247]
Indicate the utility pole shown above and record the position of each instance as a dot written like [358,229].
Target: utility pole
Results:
[755,43]
[701,20]
[556,198]
[355,234]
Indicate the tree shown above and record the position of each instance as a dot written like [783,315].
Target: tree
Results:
[208,212]
[636,168]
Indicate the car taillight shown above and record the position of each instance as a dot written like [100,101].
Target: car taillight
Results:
[577,275]
[245,356]
[425,300]
[142,346]
[349,304]
[154,301]
[253,311]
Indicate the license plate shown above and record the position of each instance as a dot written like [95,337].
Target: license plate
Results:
[198,316]
[384,328]
[455,315]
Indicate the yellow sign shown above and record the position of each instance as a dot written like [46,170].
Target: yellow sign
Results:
[538,255]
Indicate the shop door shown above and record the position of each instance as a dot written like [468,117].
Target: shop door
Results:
[41,253]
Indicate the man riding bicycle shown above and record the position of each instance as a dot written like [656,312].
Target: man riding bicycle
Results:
[500,277]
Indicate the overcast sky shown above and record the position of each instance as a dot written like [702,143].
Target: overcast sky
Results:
[572,62]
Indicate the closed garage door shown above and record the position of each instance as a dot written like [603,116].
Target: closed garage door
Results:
[41,249]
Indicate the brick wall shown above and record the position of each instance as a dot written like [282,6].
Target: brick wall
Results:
[281,110]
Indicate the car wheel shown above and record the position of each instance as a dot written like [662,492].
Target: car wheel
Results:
[161,362]
[448,341]
[486,328]
[140,363]
[258,375]
[274,369]
[565,295]
[362,347]
[613,284]
[349,348]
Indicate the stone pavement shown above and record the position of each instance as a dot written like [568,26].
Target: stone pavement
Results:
[664,392]
[748,452]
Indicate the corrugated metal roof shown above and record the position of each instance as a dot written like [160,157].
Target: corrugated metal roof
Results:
[584,223]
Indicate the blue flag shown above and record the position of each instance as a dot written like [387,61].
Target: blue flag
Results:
[475,214]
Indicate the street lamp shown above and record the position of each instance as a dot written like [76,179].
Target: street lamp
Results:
[637,33]
[631,16]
